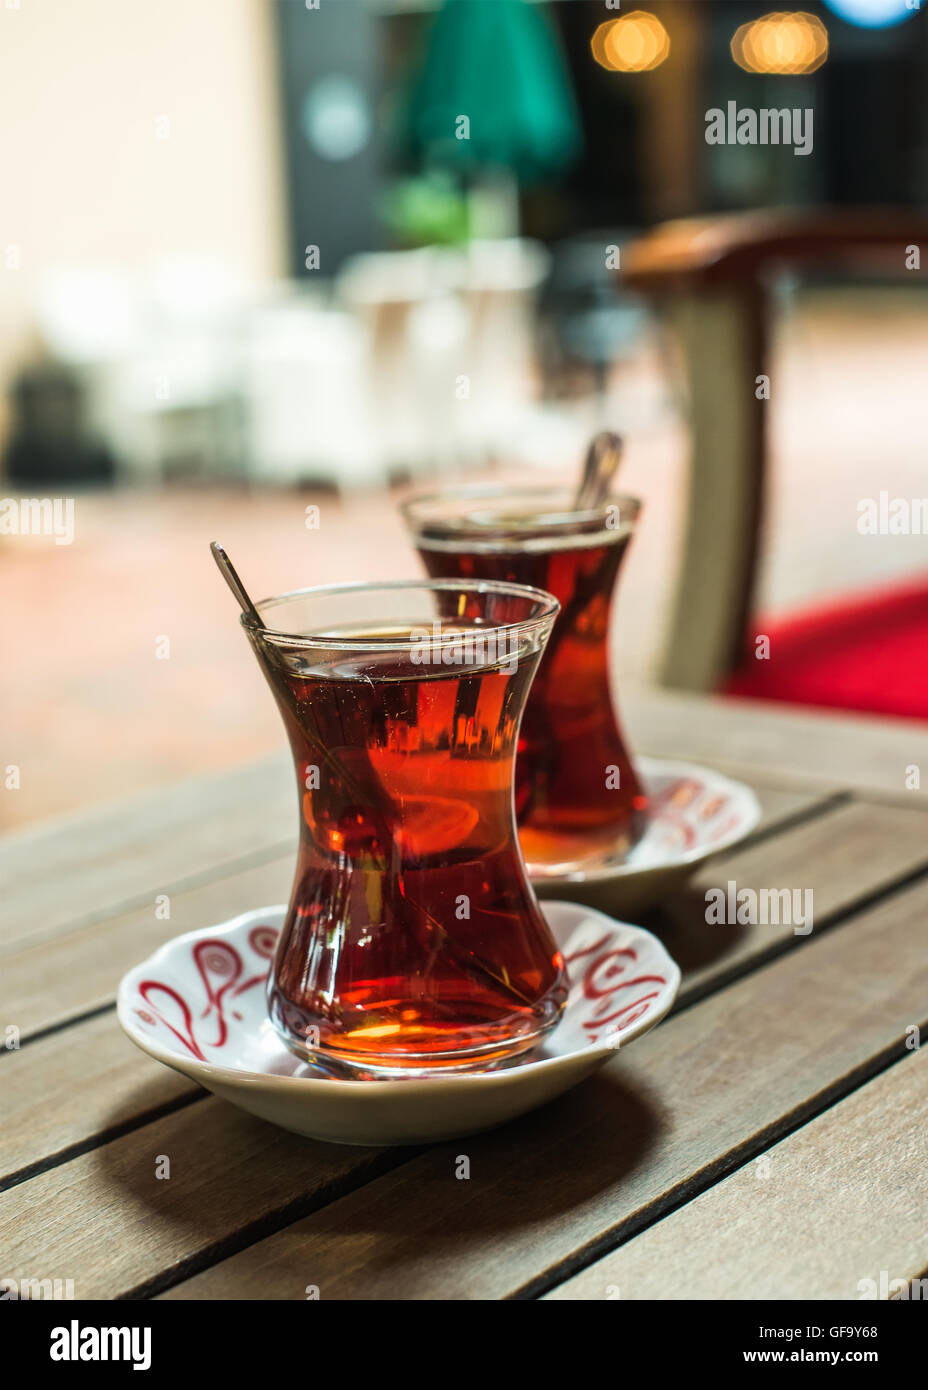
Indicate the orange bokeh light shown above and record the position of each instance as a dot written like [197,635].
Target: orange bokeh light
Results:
[781,43]
[635,42]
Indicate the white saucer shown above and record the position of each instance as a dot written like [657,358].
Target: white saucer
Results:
[695,813]
[198,1005]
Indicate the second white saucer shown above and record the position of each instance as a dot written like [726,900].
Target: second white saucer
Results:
[695,813]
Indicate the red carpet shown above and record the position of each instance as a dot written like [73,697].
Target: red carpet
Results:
[866,654]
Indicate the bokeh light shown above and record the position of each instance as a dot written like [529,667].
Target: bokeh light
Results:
[872,14]
[636,42]
[783,43]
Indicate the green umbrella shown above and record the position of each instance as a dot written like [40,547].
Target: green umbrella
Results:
[494,92]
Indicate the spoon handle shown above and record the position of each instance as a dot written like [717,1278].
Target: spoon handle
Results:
[228,572]
[599,467]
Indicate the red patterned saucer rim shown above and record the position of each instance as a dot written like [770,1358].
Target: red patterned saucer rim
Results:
[198,1003]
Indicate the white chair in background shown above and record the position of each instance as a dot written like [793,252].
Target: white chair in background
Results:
[499,282]
[417,332]
[158,358]
[306,384]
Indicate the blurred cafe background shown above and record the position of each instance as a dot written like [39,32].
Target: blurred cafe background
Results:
[264,263]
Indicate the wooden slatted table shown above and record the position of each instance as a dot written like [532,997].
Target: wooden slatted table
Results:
[767,1140]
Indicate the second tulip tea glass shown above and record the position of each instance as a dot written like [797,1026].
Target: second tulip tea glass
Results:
[578,798]
[413,941]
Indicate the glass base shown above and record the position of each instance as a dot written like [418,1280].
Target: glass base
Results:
[344,1066]
[558,853]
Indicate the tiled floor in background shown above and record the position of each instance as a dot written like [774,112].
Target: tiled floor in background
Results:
[89,711]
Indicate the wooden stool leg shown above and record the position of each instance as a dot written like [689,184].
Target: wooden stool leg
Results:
[724,340]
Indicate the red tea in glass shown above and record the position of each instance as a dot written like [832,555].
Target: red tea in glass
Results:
[578,797]
[413,939]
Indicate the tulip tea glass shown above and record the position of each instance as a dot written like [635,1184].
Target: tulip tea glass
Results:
[413,940]
[578,798]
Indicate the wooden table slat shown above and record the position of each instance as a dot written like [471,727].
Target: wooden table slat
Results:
[844,1196]
[814,748]
[72,1088]
[116,859]
[109,1070]
[41,987]
[845,857]
[99,862]
[796,1031]
[108,857]
[682,1107]
[229,1174]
